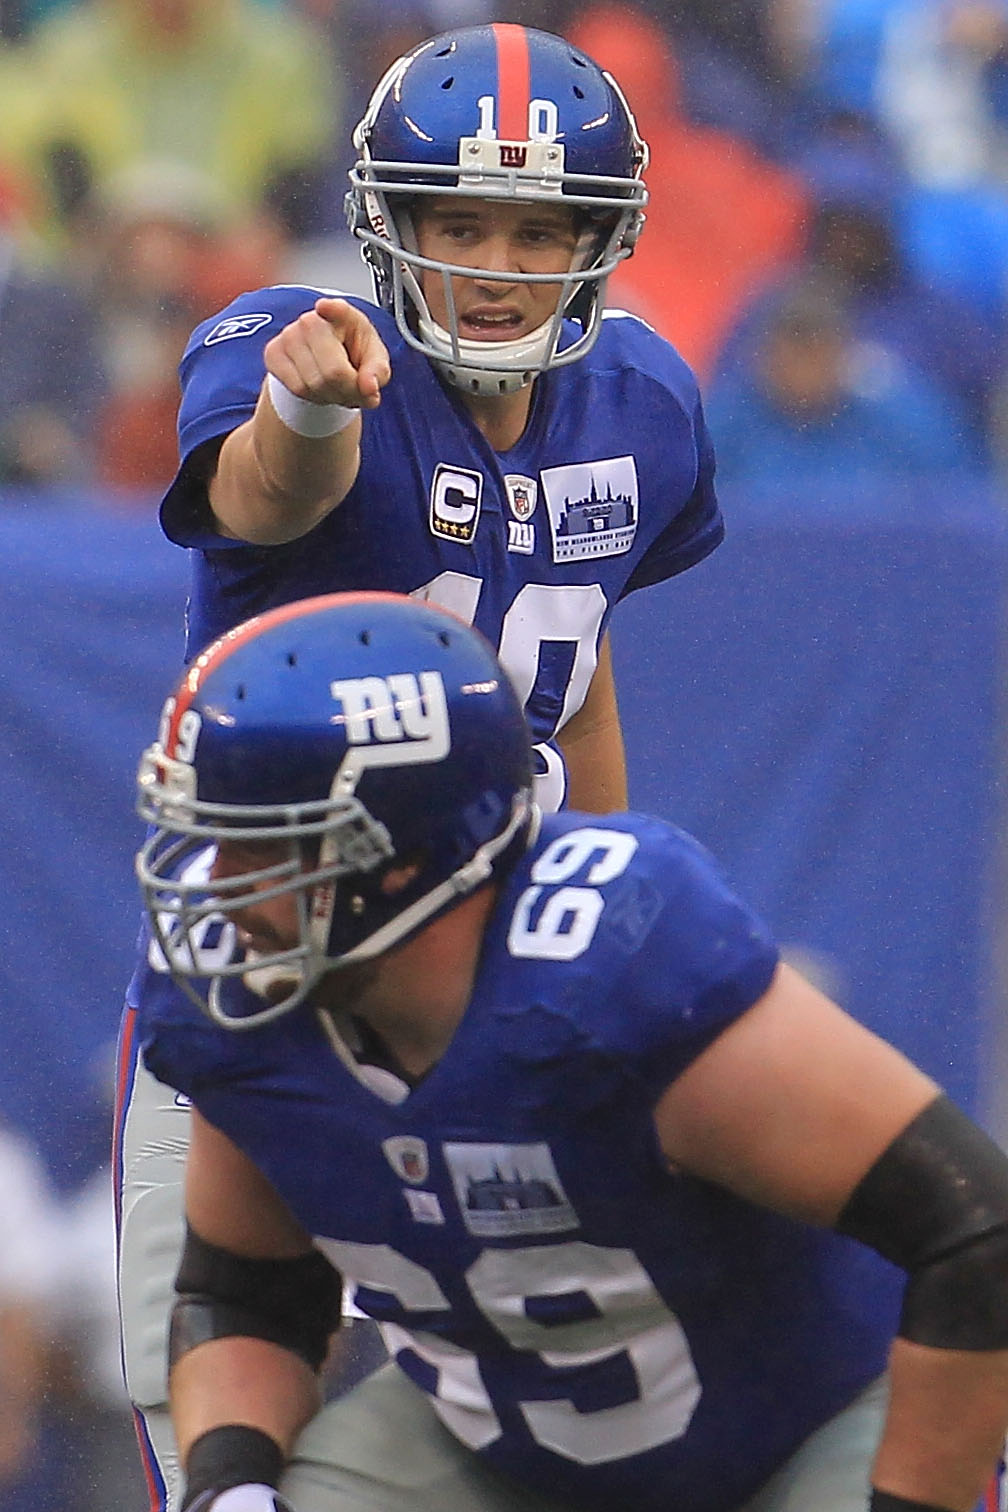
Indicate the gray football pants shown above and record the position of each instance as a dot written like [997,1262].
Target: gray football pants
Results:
[381,1448]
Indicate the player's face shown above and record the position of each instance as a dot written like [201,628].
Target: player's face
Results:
[266,924]
[502,238]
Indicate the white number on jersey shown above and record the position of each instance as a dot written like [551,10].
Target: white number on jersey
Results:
[561,927]
[633,1324]
[213,939]
[570,613]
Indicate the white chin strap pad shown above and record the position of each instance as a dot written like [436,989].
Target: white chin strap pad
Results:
[523,358]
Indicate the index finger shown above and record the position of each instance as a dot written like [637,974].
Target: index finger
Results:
[367,352]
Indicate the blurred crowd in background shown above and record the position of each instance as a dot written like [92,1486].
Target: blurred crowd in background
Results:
[827,245]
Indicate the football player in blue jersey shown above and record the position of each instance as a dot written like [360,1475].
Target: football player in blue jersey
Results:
[645,1219]
[485,436]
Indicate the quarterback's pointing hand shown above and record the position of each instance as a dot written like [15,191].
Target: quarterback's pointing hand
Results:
[331,354]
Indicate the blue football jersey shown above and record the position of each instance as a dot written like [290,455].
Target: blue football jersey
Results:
[609,488]
[592,1323]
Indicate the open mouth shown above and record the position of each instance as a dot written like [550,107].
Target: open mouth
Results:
[495,325]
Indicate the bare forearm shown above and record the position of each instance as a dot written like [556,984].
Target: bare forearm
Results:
[948,1414]
[596,770]
[592,746]
[242,1380]
[273,485]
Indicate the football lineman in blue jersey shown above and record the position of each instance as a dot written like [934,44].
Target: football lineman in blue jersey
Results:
[485,436]
[616,1183]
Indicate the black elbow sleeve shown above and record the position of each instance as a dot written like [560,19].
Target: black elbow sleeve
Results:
[936,1204]
[294,1303]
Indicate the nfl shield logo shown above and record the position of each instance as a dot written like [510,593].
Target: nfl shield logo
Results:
[522,494]
[408,1157]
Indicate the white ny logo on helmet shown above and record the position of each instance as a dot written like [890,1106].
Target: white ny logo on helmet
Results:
[382,714]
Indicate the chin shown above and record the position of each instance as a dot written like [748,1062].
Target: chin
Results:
[343,988]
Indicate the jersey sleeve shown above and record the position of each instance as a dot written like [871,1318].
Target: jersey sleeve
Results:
[701,957]
[695,531]
[221,374]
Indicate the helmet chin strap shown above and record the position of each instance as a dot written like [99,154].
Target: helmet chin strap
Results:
[525,358]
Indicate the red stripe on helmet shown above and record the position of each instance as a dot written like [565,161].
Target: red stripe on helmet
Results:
[513,86]
[219,650]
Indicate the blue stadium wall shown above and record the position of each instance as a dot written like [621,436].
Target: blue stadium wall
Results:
[820,703]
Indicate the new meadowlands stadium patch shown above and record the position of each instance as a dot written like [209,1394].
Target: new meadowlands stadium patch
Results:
[593,508]
[507,1190]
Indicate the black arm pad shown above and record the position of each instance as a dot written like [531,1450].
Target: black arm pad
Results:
[936,1203]
[230,1455]
[294,1303]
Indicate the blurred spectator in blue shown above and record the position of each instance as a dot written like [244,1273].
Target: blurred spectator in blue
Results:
[942,93]
[934,75]
[940,88]
[723,220]
[52,379]
[243,92]
[956,238]
[742,65]
[896,318]
[843,42]
[814,408]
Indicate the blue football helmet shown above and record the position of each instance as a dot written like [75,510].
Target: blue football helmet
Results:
[505,113]
[359,732]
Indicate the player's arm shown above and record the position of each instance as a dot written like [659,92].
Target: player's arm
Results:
[250,1329]
[799,1108]
[281,472]
[592,745]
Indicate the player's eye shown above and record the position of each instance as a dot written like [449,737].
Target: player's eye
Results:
[459,231]
[547,236]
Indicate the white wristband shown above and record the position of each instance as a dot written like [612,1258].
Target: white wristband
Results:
[250,1497]
[302,416]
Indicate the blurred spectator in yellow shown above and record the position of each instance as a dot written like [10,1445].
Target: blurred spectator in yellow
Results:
[26,135]
[722,219]
[241,91]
